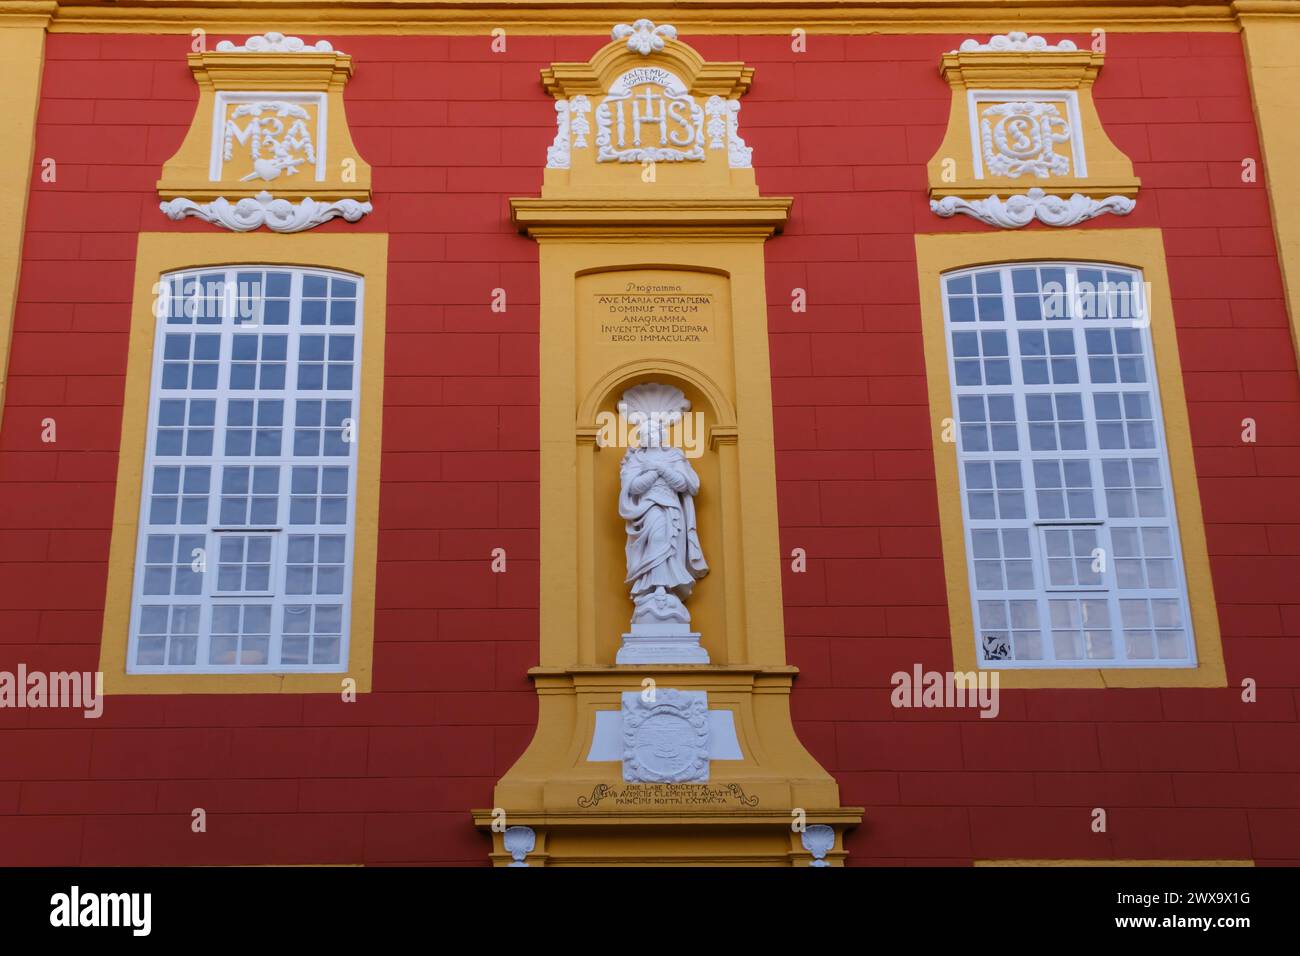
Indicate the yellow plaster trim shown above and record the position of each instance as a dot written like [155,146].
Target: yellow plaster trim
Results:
[1137,248]
[572,17]
[22,57]
[1273,63]
[1114,863]
[366,255]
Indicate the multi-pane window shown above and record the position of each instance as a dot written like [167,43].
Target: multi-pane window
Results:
[1071,539]
[247,512]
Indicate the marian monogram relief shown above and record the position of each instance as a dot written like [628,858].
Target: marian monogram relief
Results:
[1025,136]
[266,138]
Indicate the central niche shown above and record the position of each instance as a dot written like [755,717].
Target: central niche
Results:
[682,318]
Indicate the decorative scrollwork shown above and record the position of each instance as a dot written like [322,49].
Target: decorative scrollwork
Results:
[1021,137]
[278,215]
[737,791]
[1019,211]
[598,793]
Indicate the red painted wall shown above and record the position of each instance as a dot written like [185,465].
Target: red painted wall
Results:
[452,130]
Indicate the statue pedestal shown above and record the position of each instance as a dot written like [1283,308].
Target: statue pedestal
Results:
[661,644]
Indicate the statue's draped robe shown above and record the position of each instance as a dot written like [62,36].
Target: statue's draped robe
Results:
[663,545]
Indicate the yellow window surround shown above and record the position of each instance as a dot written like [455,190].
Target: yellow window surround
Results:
[366,255]
[1141,249]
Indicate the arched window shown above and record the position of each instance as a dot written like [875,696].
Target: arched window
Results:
[1071,536]
[247,515]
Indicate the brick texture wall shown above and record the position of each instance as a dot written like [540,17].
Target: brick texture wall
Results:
[452,130]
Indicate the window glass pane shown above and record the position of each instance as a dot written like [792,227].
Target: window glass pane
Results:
[254,392]
[1064,400]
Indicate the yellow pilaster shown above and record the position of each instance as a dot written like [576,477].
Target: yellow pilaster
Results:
[22,54]
[1271,35]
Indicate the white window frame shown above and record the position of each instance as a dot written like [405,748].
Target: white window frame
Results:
[281,530]
[1093,454]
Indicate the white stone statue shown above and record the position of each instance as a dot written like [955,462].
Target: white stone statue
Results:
[657,503]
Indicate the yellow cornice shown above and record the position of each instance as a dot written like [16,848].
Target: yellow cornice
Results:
[702,78]
[601,217]
[28,13]
[343,17]
[315,72]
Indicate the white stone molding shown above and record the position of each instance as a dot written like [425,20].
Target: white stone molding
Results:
[579,107]
[1020,137]
[724,131]
[818,839]
[570,119]
[643,36]
[666,738]
[717,128]
[1015,42]
[558,155]
[1019,211]
[519,842]
[739,156]
[278,215]
[275,43]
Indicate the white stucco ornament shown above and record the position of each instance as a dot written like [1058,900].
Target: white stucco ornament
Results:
[818,839]
[278,215]
[275,43]
[666,737]
[519,842]
[724,131]
[643,36]
[571,131]
[1017,211]
[1021,137]
[657,504]
[1016,42]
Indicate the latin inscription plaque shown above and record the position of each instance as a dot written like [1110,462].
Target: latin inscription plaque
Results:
[654,313]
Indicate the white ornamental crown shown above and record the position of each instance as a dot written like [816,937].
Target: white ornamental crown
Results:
[275,43]
[1015,42]
[643,36]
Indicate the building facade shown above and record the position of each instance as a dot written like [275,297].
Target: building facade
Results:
[860,434]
